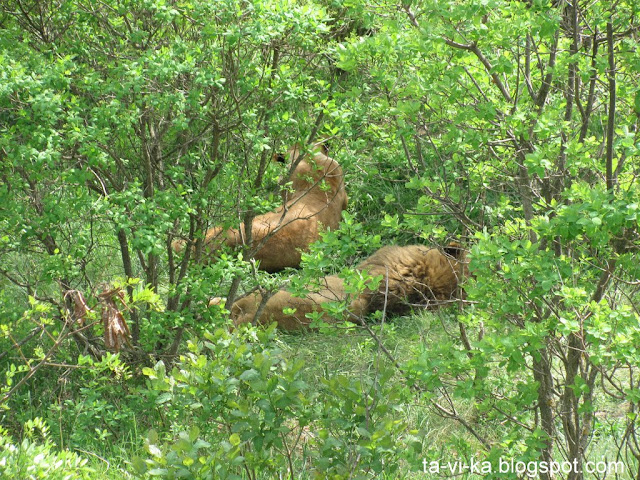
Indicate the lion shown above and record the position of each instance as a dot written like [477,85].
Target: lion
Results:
[288,311]
[315,201]
[411,275]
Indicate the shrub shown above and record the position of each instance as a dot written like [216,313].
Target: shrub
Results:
[259,417]
[39,460]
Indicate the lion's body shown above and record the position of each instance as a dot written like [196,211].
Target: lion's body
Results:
[316,202]
[244,310]
[412,275]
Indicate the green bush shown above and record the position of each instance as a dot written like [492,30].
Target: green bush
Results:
[257,417]
[34,460]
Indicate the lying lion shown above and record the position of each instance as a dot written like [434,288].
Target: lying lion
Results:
[412,275]
[245,309]
[315,201]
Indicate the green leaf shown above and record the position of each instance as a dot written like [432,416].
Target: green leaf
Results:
[235,440]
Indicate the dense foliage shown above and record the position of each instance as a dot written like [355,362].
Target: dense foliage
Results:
[128,125]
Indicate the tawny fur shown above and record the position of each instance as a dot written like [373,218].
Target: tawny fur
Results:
[245,309]
[316,202]
[412,275]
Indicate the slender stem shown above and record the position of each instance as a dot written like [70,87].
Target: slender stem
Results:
[611,122]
